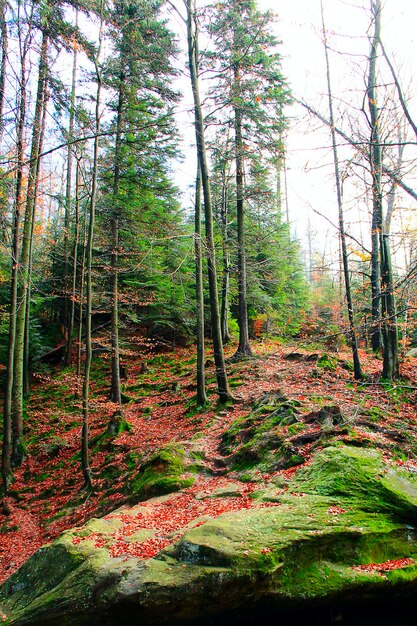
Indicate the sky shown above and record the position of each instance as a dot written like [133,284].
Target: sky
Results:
[310,184]
[310,167]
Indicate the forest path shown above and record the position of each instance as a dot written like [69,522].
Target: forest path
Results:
[47,495]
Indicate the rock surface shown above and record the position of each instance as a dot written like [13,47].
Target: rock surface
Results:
[330,538]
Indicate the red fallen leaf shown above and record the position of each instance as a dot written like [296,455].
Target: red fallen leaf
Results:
[387,566]
[167,423]
[266,550]
[335,510]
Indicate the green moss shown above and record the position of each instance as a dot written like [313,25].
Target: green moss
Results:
[327,362]
[236,382]
[162,474]
[276,411]
[256,440]
[132,460]
[361,476]
[403,575]
[104,527]
[297,552]
[374,413]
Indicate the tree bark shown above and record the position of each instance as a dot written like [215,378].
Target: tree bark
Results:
[221,374]
[26,369]
[244,348]
[3,63]
[224,313]
[115,391]
[380,239]
[201,378]
[85,460]
[71,321]
[18,449]
[357,369]
[81,308]
[15,267]
[68,304]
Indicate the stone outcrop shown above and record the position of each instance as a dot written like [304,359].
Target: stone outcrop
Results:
[325,540]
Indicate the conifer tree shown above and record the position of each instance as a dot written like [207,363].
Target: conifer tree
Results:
[224,391]
[140,74]
[251,88]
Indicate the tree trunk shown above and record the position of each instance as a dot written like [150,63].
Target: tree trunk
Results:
[81,312]
[8,394]
[68,353]
[221,374]
[18,449]
[68,304]
[375,161]
[115,391]
[357,369]
[201,379]
[85,462]
[3,63]
[224,314]
[375,286]
[26,369]
[379,237]
[390,369]
[244,348]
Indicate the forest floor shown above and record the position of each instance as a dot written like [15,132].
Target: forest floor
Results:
[47,495]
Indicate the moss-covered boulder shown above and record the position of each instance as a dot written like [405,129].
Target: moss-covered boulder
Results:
[166,471]
[360,476]
[258,438]
[324,542]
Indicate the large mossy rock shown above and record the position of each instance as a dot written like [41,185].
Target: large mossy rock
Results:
[360,476]
[302,548]
[256,438]
[168,470]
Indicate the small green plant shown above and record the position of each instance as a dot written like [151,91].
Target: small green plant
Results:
[327,362]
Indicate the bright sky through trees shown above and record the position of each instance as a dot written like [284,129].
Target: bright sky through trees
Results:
[309,158]
[310,168]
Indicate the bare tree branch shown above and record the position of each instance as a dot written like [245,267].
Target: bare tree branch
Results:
[360,146]
[399,90]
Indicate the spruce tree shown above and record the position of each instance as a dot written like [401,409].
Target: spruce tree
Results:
[251,91]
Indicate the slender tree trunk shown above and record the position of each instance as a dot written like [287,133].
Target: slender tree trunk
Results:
[115,391]
[201,379]
[393,189]
[68,354]
[379,237]
[81,309]
[8,395]
[18,449]
[279,166]
[357,369]
[375,286]
[3,63]
[67,304]
[390,369]
[26,369]
[221,374]
[410,256]
[287,208]
[244,348]
[375,160]
[224,314]
[85,462]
